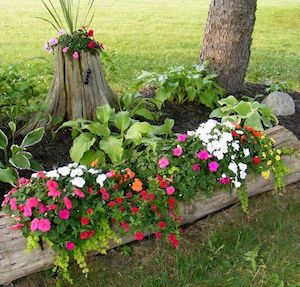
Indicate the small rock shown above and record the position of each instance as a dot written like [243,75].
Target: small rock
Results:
[281,104]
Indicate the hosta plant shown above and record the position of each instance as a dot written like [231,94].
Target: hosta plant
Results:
[113,137]
[247,113]
[16,157]
[180,85]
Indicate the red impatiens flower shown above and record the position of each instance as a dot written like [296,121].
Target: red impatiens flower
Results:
[85,221]
[90,33]
[163,184]
[256,160]
[91,45]
[134,210]
[234,133]
[89,211]
[158,235]
[86,234]
[119,200]
[139,235]
[129,195]
[162,225]
[111,204]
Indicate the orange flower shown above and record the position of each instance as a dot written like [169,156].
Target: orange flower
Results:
[130,172]
[137,185]
[257,134]
[95,163]
[250,129]
[237,126]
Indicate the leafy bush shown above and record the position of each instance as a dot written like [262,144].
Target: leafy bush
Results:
[21,94]
[276,86]
[113,137]
[248,113]
[16,156]
[180,85]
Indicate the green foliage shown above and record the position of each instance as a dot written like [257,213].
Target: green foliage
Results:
[247,113]
[276,86]
[15,156]
[21,94]
[180,85]
[70,11]
[114,136]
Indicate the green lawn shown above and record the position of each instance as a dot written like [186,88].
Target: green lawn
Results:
[153,35]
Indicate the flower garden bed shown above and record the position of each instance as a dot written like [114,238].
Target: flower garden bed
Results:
[15,263]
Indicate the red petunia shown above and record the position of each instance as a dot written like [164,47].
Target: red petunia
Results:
[162,225]
[163,184]
[158,235]
[89,211]
[139,235]
[111,204]
[119,200]
[90,33]
[91,45]
[256,160]
[134,210]
[85,221]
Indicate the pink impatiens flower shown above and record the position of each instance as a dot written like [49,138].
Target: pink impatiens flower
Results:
[13,204]
[32,202]
[224,180]
[170,190]
[44,225]
[34,224]
[54,193]
[196,167]
[75,55]
[203,154]
[78,192]
[68,203]
[23,181]
[177,151]
[163,162]
[64,214]
[65,49]
[213,166]
[182,137]
[27,211]
[70,245]
[51,184]
[42,208]
[16,226]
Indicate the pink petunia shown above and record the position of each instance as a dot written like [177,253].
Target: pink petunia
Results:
[54,193]
[213,166]
[177,151]
[203,155]
[40,174]
[44,225]
[163,162]
[51,207]
[51,184]
[34,224]
[32,202]
[70,245]
[64,214]
[182,137]
[78,192]
[196,167]
[65,49]
[13,204]
[42,208]
[27,211]
[68,203]
[23,181]
[224,180]
[170,190]
[75,55]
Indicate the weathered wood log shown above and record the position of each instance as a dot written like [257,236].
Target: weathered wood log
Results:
[15,263]
[78,87]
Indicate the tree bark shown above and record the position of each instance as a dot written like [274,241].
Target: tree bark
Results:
[15,263]
[227,41]
[78,87]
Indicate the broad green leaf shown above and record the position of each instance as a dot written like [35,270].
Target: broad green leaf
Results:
[113,147]
[91,156]
[3,140]
[207,100]
[20,161]
[231,119]
[8,175]
[165,129]
[104,113]
[229,101]
[15,149]
[33,137]
[12,127]
[254,121]
[122,120]
[150,142]
[97,129]
[72,124]
[266,121]
[244,109]
[191,93]
[217,113]
[35,166]
[136,131]
[81,145]
[143,112]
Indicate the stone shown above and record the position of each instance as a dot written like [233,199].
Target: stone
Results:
[282,104]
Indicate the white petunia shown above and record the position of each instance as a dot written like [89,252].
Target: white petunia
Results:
[78,182]
[100,179]
[34,175]
[236,145]
[242,166]
[219,155]
[243,174]
[93,171]
[233,167]
[237,184]
[52,174]
[64,171]
[71,165]
[76,172]
[82,167]
[246,152]
[227,137]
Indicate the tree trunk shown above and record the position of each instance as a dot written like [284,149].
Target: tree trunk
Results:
[227,41]
[78,87]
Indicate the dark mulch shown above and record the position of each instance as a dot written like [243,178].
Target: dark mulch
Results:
[54,151]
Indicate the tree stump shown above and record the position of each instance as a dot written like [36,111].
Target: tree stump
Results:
[78,87]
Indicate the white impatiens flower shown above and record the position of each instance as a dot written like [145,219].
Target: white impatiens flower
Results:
[76,172]
[236,183]
[82,167]
[236,145]
[242,166]
[218,154]
[233,157]
[64,171]
[243,174]
[233,167]
[78,182]
[53,174]
[34,175]
[73,165]
[246,152]
[100,179]
[93,171]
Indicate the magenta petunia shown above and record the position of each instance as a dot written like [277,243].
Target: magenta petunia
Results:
[213,166]
[78,192]
[68,203]
[44,225]
[177,151]
[34,224]
[64,214]
[70,245]
[224,180]
[75,55]
[203,155]
[196,167]
[163,162]
[32,202]
[170,190]
[182,137]
[13,204]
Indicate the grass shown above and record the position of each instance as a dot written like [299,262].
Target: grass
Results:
[226,249]
[153,35]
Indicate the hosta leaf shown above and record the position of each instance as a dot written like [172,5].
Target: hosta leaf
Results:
[254,121]
[81,145]
[113,147]
[229,101]
[8,175]
[122,120]
[20,161]
[3,140]
[92,156]
[136,131]
[104,113]
[244,109]
[33,137]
